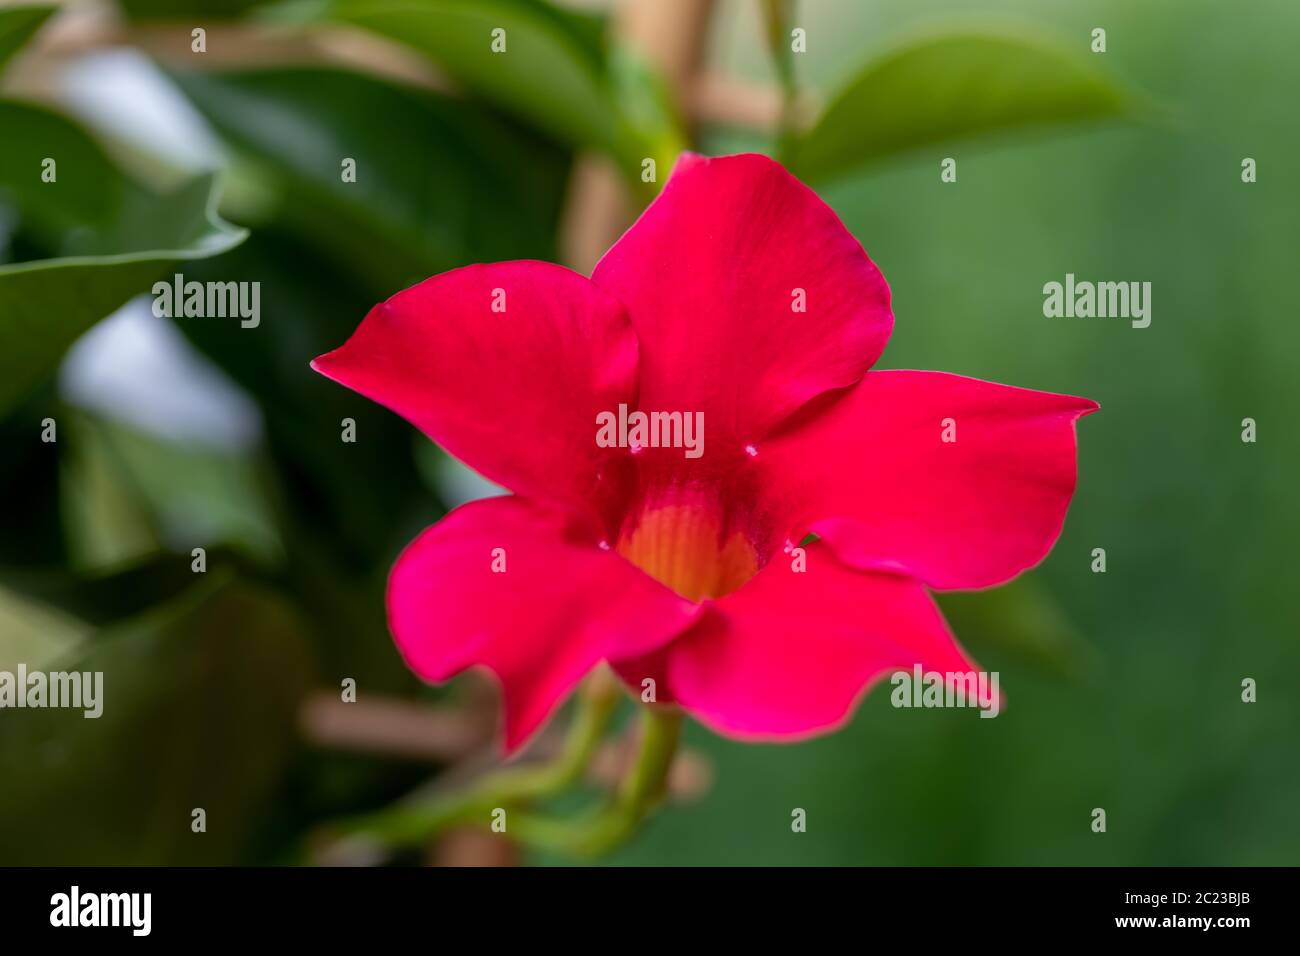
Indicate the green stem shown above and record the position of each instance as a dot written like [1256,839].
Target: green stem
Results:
[407,824]
[640,792]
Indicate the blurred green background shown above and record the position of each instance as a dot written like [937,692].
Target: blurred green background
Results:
[1124,688]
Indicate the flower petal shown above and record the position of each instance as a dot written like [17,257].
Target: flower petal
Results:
[872,474]
[790,653]
[513,392]
[559,607]
[709,275]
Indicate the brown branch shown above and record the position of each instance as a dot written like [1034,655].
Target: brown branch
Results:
[400,729]
[392,728]
[722,100]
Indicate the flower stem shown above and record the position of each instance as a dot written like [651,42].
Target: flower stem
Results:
[411,823]
[643,788]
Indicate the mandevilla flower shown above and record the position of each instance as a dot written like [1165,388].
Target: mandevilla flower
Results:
[738,299]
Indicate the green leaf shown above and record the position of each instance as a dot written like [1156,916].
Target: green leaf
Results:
[127,492]
[549,75]
[650,107]
[122,244]
[948,87]
[34,632]
[437,182]
[18,25]
[87,192]
[200,701]
[106,520]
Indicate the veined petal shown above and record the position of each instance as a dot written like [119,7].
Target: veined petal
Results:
[791,652]
[958,482]
[506,366]
[529,594]
[748,295]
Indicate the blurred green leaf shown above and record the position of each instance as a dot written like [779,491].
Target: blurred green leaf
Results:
[18,25]
[949,87]
[646,100]
[106,520]
[46,304]
[34,633]
[126,493]
[200,700]
[87,192]
[1021,619]
[438,183]
[353,493]
[550,74]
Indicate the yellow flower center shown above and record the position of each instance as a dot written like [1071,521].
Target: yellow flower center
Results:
[686,547]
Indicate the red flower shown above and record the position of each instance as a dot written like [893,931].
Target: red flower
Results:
[683,569]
